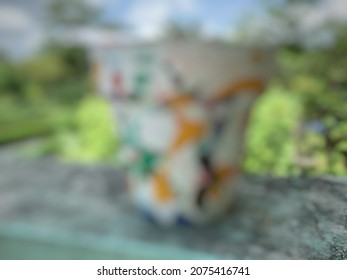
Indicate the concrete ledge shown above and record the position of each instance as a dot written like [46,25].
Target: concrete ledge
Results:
[50,210]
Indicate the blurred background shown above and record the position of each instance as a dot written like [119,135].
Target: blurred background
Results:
[50,108]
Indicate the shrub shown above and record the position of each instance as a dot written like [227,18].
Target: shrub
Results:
[93,137]
[270,145]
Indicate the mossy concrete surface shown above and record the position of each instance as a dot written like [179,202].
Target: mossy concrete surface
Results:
[51,210]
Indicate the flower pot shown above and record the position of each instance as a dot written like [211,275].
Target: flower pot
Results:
[181,110]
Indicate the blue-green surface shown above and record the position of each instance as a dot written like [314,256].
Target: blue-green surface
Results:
[25,242]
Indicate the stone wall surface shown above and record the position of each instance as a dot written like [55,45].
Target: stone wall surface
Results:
[297,218]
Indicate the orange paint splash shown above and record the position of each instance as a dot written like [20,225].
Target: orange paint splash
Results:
[237,88]
[179,100]
[189,131]
[162,189]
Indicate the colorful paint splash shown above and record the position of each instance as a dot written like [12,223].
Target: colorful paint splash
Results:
[183,114]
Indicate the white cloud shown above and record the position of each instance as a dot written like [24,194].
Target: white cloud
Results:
[314,21]
[149,17]
[187,6]
[21,27]
[336,8]
[214,30]
[323,12]
[310,28]
[19,33]
[12,17]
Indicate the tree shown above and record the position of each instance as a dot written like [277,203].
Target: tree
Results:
[315,77]
[67,13]
[179,30]
[281,23]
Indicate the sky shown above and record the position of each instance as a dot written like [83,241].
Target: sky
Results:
[216,17]
[21,24]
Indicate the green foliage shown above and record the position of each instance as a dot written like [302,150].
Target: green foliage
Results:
[317,82]
[316,79]
[34,93]
[270,138]
[11,81]
[45,69]
[299,126]
[37,95]
[92,137]
[42,76]
[67,13]
[24,120]
[27,128]
[179,30]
